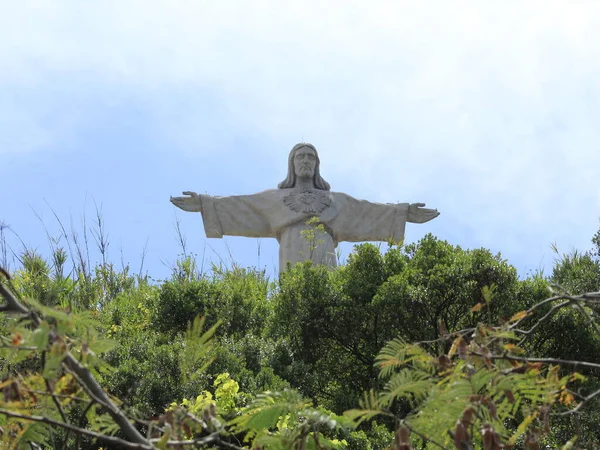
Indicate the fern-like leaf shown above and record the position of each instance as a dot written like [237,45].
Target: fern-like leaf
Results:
[264,411]
[369,408]
[411,384]
[398,353]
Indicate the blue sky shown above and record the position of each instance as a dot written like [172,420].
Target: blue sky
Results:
[487,111]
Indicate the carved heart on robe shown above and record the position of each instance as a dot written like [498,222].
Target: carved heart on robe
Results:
[309,201]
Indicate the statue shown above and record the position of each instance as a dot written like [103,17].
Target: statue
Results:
[285,214]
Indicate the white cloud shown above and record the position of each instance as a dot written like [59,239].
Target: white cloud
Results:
[487,109]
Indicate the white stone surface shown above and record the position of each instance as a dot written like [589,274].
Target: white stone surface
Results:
[283,214]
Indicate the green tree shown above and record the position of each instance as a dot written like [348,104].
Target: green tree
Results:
[333,323]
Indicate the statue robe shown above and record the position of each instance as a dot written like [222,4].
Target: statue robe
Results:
[282,214]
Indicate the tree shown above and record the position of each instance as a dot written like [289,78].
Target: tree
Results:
[107,359]
[335,323]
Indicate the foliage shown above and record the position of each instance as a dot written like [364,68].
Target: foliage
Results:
[577,272]
[473,357]
[313,235]
[332,324]
[237,298]
[471,397]
[285,420]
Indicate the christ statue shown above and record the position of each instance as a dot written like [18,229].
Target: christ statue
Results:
[306,218]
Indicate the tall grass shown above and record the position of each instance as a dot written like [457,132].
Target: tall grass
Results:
[77,272]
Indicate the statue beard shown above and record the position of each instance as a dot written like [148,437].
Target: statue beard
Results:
[306,173]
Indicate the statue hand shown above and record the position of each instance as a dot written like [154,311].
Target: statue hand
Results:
[191,203]
[418,214]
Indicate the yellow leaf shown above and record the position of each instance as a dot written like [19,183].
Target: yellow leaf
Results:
[566,398]
[512,348]
[454,347]
[477,307]
[6,383]
[521,428]
[518,316]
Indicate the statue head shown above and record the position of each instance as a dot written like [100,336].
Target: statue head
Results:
[304,162]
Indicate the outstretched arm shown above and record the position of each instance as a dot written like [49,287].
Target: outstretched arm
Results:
[361,220]
[418,214]
[236,215]
[192,203]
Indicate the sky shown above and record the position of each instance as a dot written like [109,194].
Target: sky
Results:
[487,111]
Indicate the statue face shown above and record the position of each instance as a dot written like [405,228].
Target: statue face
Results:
[305,161]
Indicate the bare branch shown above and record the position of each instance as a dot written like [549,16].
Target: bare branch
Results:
[447,336]
[19,347]
[70,397]
[197,420]
[180,236]
[590,297]
[99,234]
[542,320]
[143,258]
[580,405]
[86,389]
[55,400]
[561,362]
[102,437]
[87,381]
[5,273]
[587,316]
[82,421]
[12,304]
[422,436]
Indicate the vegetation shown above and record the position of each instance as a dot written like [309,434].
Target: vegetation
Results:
[424,346]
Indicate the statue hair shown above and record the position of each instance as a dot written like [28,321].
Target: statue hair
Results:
[290,180]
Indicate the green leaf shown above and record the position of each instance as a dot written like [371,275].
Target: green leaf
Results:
[35,432]
[521,429]
[398,353]
[369,408]
[570,443]
[411,384]
[46,311]
[54,359]
[102,345]
[195,355]
[488,293]
[358,416]
[40,336]
[162,443]
[264,411]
